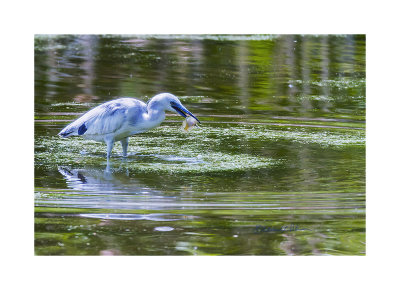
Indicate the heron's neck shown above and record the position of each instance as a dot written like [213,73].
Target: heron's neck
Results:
[155,114]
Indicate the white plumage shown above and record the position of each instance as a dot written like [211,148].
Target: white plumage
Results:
[118,119]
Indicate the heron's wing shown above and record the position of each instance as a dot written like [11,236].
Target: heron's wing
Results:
[105,119]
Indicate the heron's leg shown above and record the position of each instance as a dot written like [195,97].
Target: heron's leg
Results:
[110,145]
[108,170]
[124,143]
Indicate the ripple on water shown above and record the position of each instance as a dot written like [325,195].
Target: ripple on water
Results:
[163,229]
[131,217]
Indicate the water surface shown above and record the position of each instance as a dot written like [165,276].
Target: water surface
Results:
[277,167]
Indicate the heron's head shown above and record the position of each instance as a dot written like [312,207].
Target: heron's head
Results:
[172,103]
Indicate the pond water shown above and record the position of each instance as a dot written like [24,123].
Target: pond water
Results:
[277,166]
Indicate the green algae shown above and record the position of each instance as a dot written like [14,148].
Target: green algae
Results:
[341,83]
[167,149]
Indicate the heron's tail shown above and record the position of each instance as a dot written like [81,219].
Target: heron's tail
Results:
[68,131]
[73,130]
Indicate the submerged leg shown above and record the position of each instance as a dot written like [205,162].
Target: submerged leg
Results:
[124,143]
[108,170]
[110,145]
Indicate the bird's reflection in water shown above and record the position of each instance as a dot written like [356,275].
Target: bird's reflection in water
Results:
[108,179]
[117,189]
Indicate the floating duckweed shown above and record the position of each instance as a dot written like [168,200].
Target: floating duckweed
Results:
[322,137]
[166,149]
[73,104]
[151,158]
[192,98]
[343,83]
[218,37]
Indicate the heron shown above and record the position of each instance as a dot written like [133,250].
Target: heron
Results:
[119,119]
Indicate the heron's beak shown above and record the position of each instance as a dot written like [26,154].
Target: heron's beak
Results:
[181,110]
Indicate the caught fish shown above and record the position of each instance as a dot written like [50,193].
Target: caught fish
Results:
[189,123]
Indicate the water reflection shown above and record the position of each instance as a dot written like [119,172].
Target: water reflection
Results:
[107,180]
[98,189]
[246,76]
